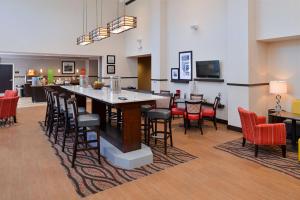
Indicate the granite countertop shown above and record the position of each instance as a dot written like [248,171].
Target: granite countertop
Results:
[107,96]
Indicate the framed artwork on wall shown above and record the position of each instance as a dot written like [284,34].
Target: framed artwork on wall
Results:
[111,59]
[68,67]
[111,69]
[186,65]
[174,74]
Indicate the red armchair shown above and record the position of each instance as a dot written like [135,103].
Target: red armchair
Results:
[10,93]
[8,108]
[257,132]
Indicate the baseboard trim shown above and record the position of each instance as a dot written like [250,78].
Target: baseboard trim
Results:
[222,121]
[234,128]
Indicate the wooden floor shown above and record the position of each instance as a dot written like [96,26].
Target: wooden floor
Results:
[30,170]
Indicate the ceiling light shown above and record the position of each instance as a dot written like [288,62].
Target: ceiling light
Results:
[85,38]
[100,32]
[123,23]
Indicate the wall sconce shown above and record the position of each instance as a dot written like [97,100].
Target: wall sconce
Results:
[77,71]
[58,71]
[41,71]
[195,27]
[139,41]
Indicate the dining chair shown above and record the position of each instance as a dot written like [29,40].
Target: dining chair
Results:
[192,113]
[211,113]
[196,96]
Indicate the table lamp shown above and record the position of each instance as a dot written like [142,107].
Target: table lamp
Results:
[278,88]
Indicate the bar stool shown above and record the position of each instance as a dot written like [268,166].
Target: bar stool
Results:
[84,123]
[144,112]
[53,115]
[161,115]
[60,121]
[66,109]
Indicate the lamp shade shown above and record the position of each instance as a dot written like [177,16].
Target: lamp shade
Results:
[278,87]
[122,24]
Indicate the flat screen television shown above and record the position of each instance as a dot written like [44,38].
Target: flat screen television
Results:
[208,69]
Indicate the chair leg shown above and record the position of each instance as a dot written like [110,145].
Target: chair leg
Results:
[171,136]
[185,125]
[149,133]
[15,119]
[256,150]
[244,142]
[75,149]
[65,134]
[98,145]
[155,131]
[283,148]
[200,126]
[215,123]
[145,128]
[165,136]
[56,129]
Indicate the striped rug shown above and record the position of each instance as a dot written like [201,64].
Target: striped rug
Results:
[268,156]
[89,177]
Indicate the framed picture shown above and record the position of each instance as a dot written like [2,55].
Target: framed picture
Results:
[186,65]
[111,59]
[174,74]
[111,69]
[68,67]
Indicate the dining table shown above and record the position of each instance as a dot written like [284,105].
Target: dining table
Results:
[127,137]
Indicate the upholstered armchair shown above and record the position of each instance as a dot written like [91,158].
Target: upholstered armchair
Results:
[258,132]
[10,93]
[8,108]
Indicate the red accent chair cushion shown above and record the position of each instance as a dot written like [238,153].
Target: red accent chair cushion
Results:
[208,112]
[11,93]
[192,116]
[178,111]
[261,133]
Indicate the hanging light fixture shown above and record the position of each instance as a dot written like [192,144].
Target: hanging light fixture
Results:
[100,32]
[85,38]
[123,23]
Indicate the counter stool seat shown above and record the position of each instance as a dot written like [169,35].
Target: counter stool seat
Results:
[88,120]
[162,114]
[146,108]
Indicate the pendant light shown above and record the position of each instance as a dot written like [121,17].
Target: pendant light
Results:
[85,38]
[123,23]
[100,32]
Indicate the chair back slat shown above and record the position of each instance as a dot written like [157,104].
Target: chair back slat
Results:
[164,103]
[216,103]
[193,107]
[196,97]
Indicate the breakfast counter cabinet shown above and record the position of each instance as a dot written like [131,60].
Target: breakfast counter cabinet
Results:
[126,138]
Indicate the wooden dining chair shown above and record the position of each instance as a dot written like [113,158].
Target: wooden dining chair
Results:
[211,113]
[192,113]
[196,96]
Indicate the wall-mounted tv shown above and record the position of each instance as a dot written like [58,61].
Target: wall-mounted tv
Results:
[208,69]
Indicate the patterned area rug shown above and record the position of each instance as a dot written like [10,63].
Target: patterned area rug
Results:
[89,177]
[270,157]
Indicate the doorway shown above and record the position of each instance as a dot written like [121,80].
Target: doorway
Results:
[6,77]
[144,73]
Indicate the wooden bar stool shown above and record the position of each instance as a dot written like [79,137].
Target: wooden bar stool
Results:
[83,124]
[161,115]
